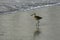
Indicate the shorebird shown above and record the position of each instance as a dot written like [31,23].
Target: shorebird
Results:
[37,18]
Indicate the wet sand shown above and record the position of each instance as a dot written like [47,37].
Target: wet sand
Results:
[21,26]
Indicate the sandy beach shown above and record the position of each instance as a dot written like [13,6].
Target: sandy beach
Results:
[21,26]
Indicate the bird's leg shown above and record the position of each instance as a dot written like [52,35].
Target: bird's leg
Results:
[37,24]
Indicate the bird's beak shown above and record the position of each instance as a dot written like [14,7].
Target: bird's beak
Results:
[32,15]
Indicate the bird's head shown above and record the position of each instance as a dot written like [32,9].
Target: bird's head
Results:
[34,14]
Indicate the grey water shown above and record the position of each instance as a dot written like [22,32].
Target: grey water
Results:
[26,6]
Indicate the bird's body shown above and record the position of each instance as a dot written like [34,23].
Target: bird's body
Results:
[36,17]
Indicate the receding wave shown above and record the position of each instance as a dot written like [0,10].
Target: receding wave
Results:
[37,5]
[24,7]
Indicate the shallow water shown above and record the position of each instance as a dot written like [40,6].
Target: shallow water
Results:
[21,26]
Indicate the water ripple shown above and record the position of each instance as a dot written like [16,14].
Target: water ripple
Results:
[24,7]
